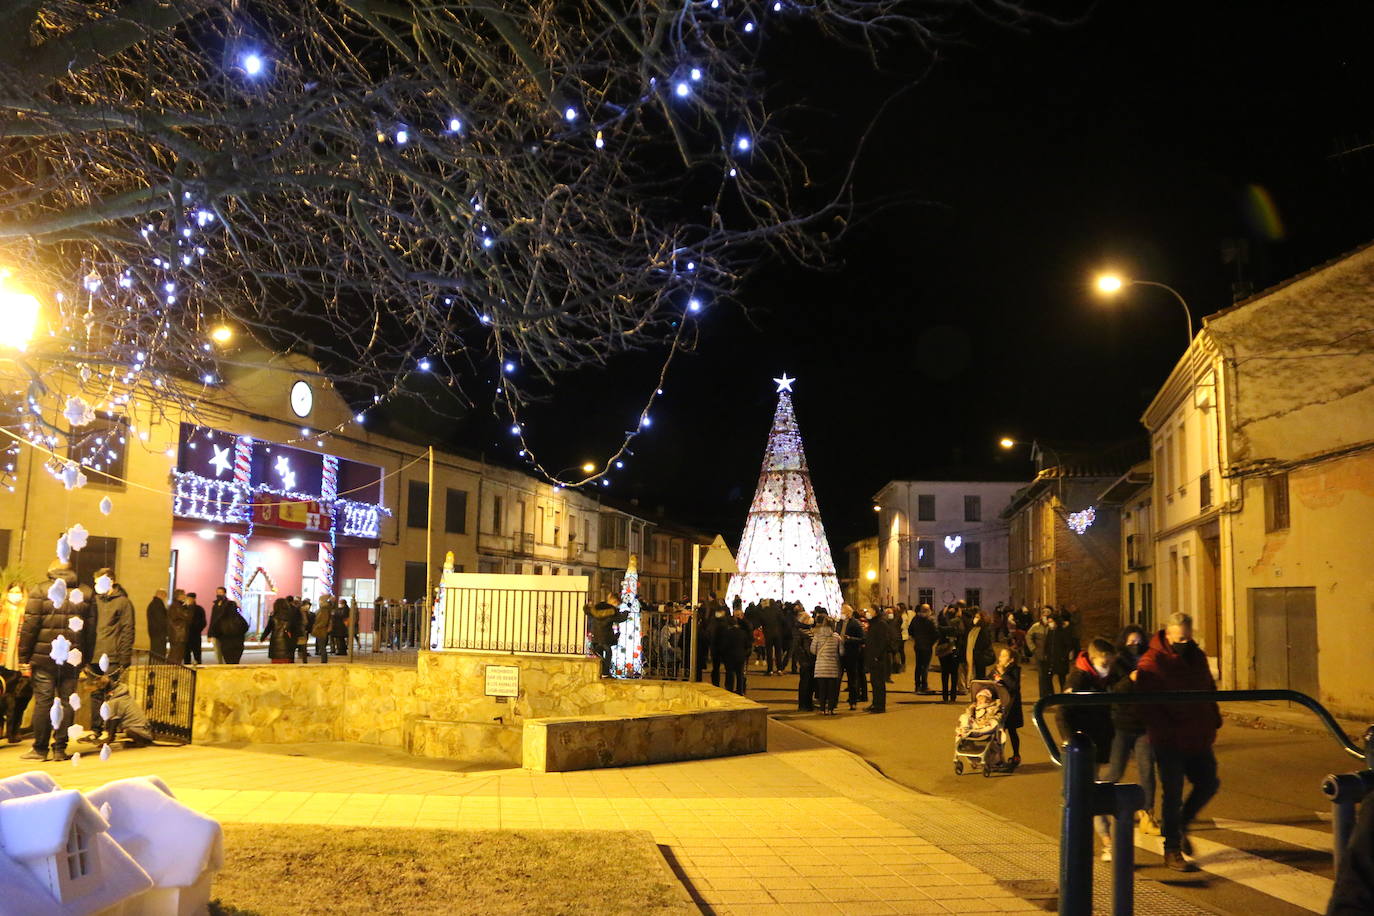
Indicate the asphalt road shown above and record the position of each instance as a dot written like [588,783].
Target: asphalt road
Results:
[1271,809]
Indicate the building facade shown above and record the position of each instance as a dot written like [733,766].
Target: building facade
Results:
[1063,551]
[941,541]
[860,580]
[1275,398]
[1130,496]
[272,489]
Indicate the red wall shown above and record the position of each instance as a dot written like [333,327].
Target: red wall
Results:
[351,563]
[200,563]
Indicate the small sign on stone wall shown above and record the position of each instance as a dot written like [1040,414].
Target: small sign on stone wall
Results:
[503,681]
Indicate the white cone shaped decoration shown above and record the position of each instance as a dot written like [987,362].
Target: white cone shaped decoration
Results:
[74,701]
[105,755]
[57,593]
[55,715]
[105,711]
[106,507]
[64,549]
[104,663]
[783,553]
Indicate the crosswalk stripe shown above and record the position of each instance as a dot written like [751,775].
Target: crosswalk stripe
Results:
[1305,837]
[1291,885]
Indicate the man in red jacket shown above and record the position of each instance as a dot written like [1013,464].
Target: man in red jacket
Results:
[1182,734]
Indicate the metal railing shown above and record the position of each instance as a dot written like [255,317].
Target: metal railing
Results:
[167,696]
[391,634]
[663,645]
[1085,798]
[542,621]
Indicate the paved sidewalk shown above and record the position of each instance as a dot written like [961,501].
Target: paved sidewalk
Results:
[802,829]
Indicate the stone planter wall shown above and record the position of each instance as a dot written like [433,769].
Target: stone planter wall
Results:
[566,717]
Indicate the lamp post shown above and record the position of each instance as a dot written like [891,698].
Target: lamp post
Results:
[18,316]
[1110,284]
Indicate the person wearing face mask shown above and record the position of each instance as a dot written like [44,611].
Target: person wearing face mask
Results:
[15,689]
[1092,673]
[852,655]
[111,636]
[739,643]
[1128,722]
[1181,734]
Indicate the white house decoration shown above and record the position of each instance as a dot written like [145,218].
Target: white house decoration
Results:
[128,847]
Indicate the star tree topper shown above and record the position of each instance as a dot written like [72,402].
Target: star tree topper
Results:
[784,383]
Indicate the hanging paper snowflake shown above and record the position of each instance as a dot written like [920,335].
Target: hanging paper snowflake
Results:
[78,412]
[64,549]
[106,507]
[72,478]
[78,536]
[57,594]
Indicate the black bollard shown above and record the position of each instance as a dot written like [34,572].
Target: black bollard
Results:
[1076,832]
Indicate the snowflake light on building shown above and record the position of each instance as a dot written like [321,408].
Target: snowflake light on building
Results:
[1080,522]
[783,552]
[953,542]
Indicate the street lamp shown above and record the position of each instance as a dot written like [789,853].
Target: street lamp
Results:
[1109,284]
[18,315]
[1007,443]
[588,468]
[222,334]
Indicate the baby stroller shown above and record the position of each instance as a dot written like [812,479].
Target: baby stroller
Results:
[979,736]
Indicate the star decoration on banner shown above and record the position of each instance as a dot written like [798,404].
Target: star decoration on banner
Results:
[784,383]
[221,460]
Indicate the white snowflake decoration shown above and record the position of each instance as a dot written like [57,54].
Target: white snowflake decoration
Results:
[74,657]
[55,715]
[104,710]
[76,596]
[74,701]
[74,732]
[72,478]
[61,648]
[57,593]
[105,755]
[77,536]
[78,412]
[102,585]
[76,759]
[104,663]
[1080,522]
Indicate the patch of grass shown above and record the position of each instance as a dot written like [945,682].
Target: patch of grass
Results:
[272,869]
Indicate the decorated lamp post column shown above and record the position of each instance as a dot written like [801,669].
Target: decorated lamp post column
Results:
[329,492]
[238,543]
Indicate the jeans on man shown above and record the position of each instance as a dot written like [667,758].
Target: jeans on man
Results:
[734,677]
[50,686]
[1125,745]
[923,669]
[1200,769]
[322,649]
[878,672]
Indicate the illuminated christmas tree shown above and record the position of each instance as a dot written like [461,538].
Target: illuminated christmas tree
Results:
[783,552]
[626,656]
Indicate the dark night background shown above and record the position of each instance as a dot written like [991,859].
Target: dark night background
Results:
[961,310]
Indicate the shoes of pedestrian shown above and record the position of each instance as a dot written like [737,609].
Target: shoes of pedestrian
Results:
[1185,844]
[1147,825]
[853,706]
[871,709]
[1106,854]
[58,756]
[1174,859]
[32,754]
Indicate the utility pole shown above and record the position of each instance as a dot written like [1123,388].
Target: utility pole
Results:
[429,533]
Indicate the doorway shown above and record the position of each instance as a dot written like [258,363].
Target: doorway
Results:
[1285,627]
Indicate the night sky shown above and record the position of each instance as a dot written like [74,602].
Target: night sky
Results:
[1151,137]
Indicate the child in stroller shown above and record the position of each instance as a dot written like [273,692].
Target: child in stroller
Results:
[979,735]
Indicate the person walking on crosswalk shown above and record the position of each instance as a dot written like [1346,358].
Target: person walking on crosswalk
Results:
[1182,734]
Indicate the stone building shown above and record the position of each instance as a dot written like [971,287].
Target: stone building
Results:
[1263,445]
[1063,551]
[859,584]
[941,541]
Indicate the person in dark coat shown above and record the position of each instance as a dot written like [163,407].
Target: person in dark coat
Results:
[770,619]
[1059,655]
[947,654]
[178,627]
[604,617]
[1353,892]
[805,661]
[923,635]
[1128,725]
[738,643]
[980,654]
[1092,673]
[1007,672]
[1182,734]
[109,636]
[227,628]
[877,649]
[156,614]
[195,631]
[281,631]
[53,681]
[717,629]
[852,656]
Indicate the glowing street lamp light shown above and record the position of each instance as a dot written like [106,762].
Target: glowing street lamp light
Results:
[1007,443]
[18,315]
[222,334]
[1109,284]
[871,574]
[588,468]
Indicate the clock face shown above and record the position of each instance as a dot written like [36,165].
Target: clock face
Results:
[302,398]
